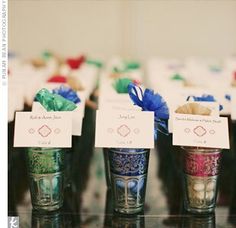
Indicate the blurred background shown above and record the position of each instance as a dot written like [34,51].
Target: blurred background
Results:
[131,29]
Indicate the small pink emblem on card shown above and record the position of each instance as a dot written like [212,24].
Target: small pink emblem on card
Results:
[44,131]
[199,131]
[123,130]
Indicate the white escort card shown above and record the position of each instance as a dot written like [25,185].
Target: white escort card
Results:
[124,129]
[200,131]
[77,117]
[49,129]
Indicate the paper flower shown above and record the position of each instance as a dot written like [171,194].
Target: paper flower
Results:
[57,79]
[126,66]
[96,63]
[177,77]
[121,85]
[46,55]
[206,98]
[234,75]
[131,65]
[228,97]
[67,93]
[149,101]
[75,63]
[215,68]
[54,102]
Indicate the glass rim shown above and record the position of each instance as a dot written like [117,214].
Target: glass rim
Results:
[194,149]
[120,150]
[43,149]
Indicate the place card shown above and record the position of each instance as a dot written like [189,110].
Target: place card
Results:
[124,129]
[77,117]
[200,131]
[43,129]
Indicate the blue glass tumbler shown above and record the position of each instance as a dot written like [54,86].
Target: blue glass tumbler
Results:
[129,170]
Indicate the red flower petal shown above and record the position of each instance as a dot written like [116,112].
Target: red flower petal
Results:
[235,75]
[75,63]
[57,79]
[136,82]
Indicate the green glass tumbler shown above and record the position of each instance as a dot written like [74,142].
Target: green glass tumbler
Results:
[46,177]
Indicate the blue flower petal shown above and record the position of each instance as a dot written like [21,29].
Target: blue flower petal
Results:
[151,102]
[67,93]
[205,97]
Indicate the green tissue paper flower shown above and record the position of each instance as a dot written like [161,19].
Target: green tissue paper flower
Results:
[46,55]
[121,85]
[126,66]
[96,63]
[215,68]
[54,102]
[132,65]
[177,77]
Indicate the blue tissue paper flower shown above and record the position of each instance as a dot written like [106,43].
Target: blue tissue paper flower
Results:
[228,97]
[205,97]
[149,101]
[67,93]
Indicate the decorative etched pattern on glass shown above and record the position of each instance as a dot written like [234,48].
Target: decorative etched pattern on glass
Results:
[128,163]
[45,160]
[202,164]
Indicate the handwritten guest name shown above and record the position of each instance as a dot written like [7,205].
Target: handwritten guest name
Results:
[126,117]
[198,120]
[45,117]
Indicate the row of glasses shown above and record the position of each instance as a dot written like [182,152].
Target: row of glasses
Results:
[127,171]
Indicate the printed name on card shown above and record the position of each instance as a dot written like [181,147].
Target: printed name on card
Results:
[43,129]
[200,131]
[124,129]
